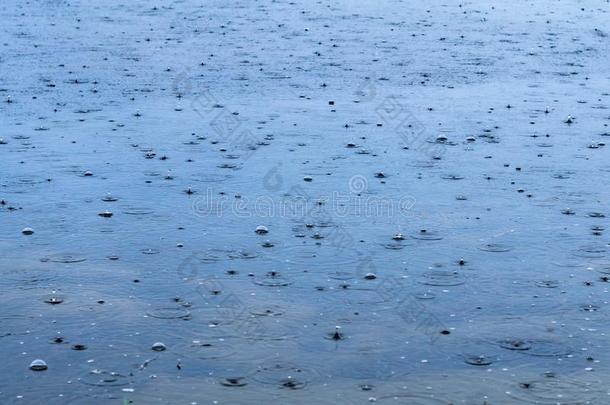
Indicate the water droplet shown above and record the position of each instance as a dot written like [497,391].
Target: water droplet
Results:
[261,230]
[54,300]
[159,347]
[109,198]
[515,344]
[478,360]
[233,382]
[38,365]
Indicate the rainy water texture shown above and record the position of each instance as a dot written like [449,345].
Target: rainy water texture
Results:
[312,202]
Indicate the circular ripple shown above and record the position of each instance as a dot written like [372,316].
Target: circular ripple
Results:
[442,278]
[495,247]
[547,283]
[28,279]
[169,313]
[282,375]
[211,255]
[593,251]
[393,246]
[536,347]
[596,215]
[63,258]
[478,360]
[233,382]
[242,254]
[105,378]
[21,184]
[137,211]
[341,275]
[354,294]
[515,344]
[267,310]
[425,234]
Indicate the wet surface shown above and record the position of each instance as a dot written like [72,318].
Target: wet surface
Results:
[317,202]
